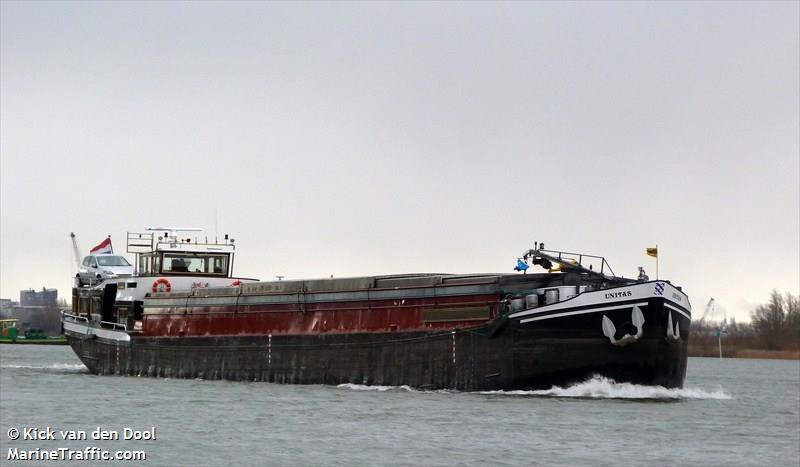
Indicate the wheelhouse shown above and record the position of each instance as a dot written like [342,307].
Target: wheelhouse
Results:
[164,253]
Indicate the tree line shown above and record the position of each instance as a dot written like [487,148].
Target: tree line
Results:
[774,326]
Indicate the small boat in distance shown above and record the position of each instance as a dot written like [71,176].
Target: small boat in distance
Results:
[9,334]
[457,331]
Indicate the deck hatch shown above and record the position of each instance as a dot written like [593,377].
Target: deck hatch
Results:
[463,313]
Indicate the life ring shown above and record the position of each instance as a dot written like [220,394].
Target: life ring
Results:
[159,282]
[236,283]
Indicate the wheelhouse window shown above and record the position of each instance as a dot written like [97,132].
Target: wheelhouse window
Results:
[146,264]
[112,261]
[194,264]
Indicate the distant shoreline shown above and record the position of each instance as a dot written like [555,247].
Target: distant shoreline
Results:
[733,352]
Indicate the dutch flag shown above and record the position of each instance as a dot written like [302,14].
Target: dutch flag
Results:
[103,247]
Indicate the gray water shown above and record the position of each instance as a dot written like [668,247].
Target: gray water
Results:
[731,412]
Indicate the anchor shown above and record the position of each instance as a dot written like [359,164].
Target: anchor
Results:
[676,334]
[609,330]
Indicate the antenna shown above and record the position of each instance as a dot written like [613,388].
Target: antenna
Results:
[173,229]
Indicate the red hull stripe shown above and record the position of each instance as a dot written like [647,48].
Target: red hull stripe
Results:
[183,318]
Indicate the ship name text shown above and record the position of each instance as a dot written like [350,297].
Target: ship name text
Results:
[626,293]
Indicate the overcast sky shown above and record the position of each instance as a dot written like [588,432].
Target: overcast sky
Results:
[369,138]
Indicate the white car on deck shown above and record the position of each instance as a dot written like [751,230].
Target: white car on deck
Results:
[97,268]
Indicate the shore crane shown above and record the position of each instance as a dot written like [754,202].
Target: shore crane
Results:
[721,330]
[709,310]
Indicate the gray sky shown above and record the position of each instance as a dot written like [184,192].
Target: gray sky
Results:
[368,138]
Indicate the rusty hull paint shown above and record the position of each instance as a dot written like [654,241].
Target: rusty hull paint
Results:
[310,318]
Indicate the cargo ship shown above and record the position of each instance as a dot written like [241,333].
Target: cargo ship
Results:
[569,322]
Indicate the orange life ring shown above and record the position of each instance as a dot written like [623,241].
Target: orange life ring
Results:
[159,282]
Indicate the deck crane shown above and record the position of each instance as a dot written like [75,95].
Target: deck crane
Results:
[75,250]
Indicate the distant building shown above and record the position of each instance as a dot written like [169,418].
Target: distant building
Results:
[47,297]
[36,310]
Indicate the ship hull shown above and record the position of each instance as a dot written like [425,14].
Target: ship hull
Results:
[507,353]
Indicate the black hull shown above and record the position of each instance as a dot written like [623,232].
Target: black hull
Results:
[505,354]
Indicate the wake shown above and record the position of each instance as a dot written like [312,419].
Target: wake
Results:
[403,388]
[600,387]
[55,367]
[366,387]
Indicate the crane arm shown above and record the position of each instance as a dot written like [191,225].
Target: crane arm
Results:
[75,250]
[709,309]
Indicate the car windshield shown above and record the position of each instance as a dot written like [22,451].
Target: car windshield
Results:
[112,261]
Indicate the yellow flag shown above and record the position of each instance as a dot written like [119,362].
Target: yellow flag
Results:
[652,252]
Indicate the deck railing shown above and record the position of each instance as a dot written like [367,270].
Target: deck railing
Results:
[103,324]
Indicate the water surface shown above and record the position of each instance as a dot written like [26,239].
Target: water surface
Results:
[731,412]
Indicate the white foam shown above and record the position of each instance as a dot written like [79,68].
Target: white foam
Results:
[600,387]
[54,366]
[365,387]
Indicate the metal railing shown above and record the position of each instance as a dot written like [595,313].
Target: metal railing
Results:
[75,317]
[103,324]
[568,260]
[571,256]
[139,242]
[114,326]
